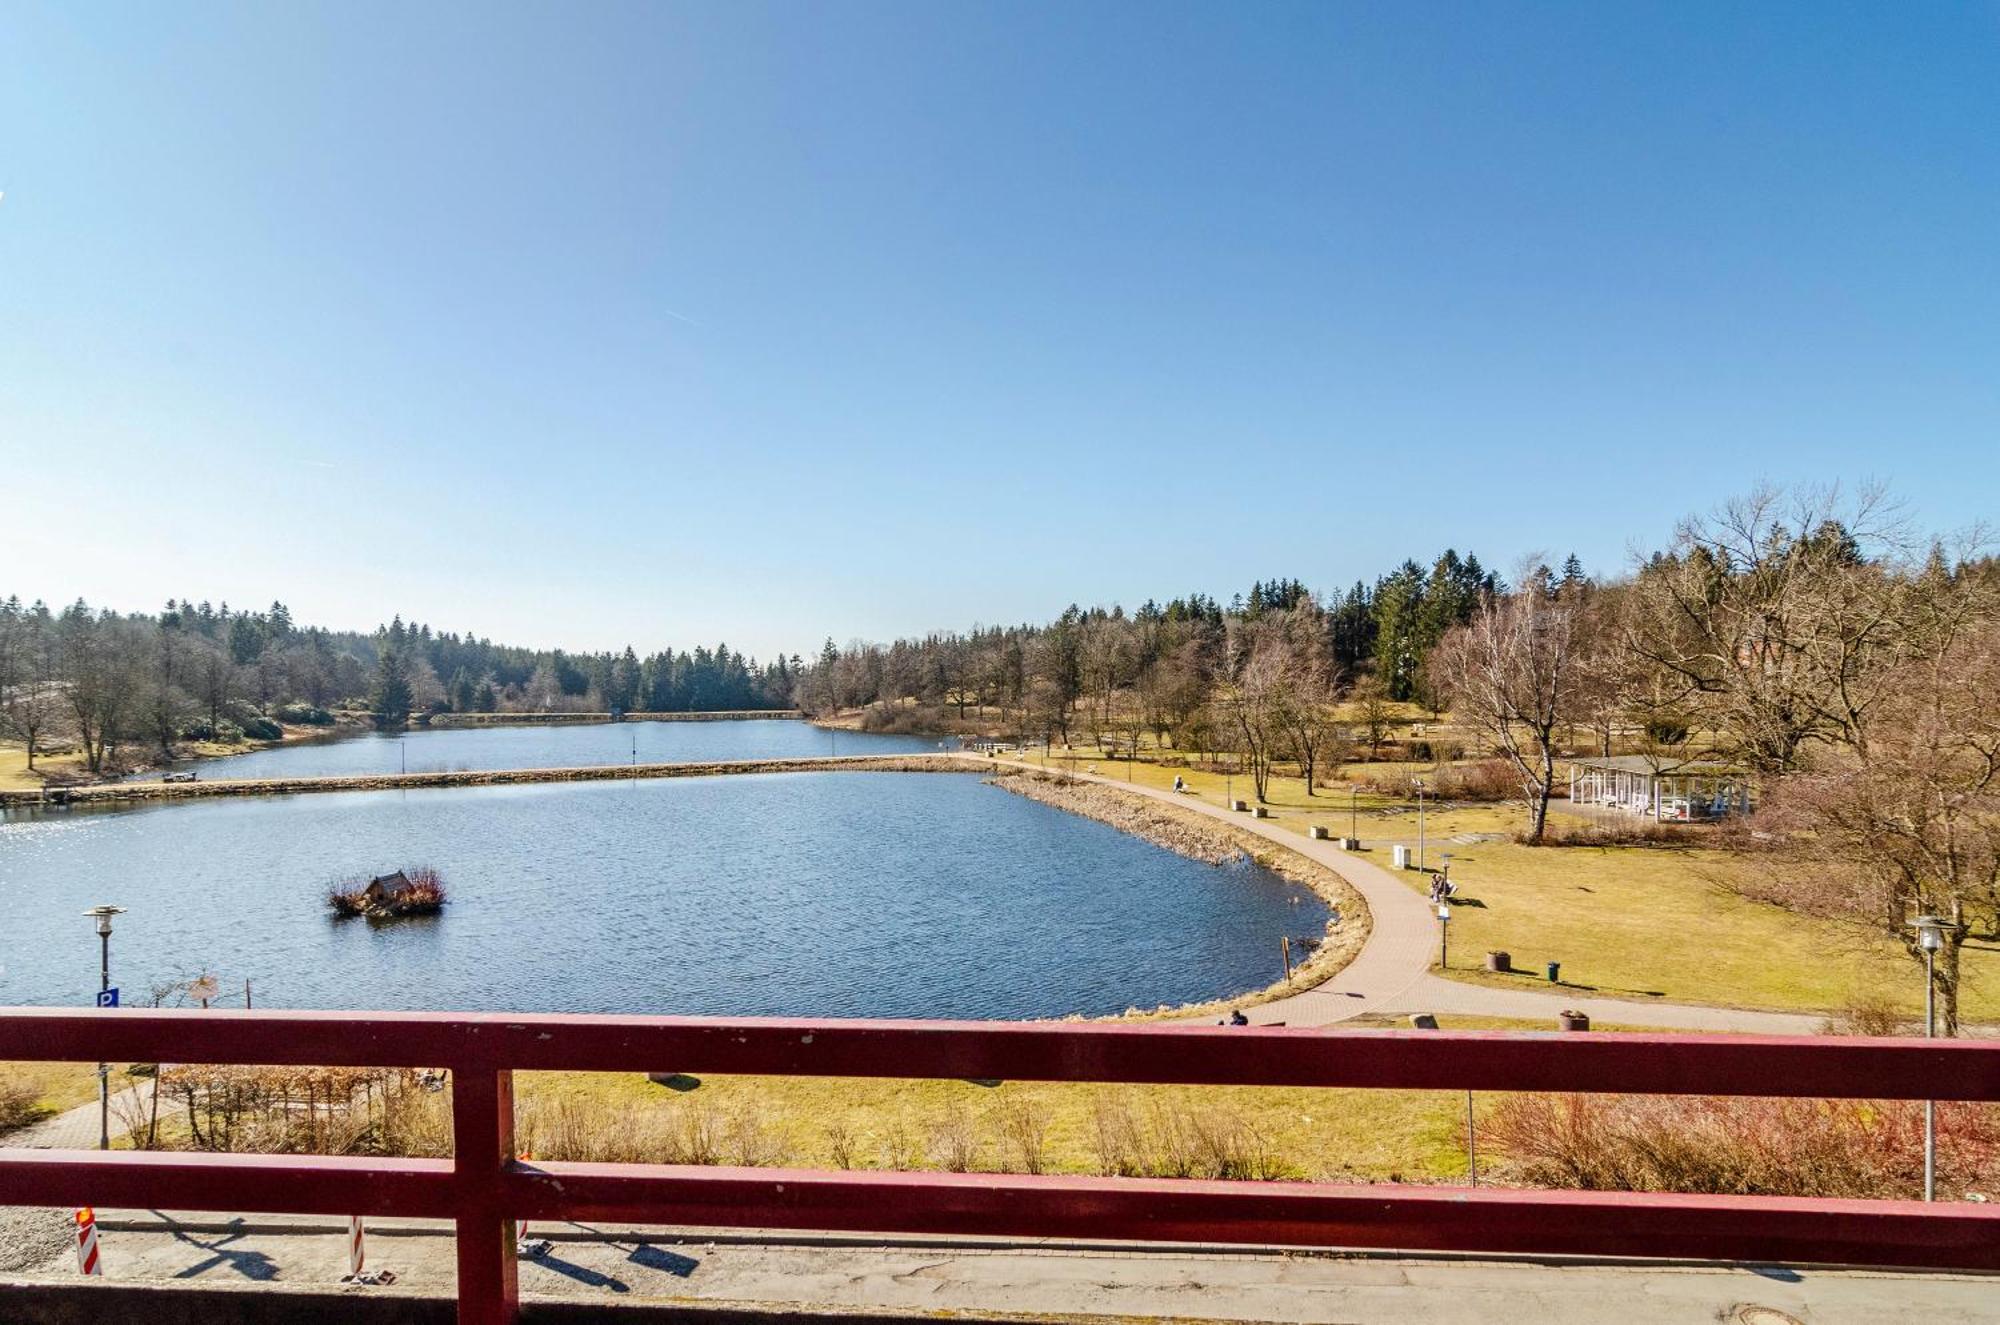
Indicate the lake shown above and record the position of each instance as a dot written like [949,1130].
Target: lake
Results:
[835,894]
[581,745]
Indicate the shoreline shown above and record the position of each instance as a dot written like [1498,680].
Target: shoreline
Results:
[1198,837]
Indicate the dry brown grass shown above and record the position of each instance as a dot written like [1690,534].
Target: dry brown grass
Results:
[1744,1147]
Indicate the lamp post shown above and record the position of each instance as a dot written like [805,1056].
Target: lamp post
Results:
[1353,813]
[403,754]
[1418,783]
[1444,932]
[102,915]
[1930,937]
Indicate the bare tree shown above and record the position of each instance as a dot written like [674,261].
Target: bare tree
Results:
[1508,673]
[1376,709]
[98,679]
[29,696]
[1771,619]
[1252,701]
[1906,821]
[1304,709]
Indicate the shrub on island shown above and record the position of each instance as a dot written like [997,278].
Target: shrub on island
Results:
[416,891]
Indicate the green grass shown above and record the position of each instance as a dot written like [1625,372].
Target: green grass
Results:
[1320,1134]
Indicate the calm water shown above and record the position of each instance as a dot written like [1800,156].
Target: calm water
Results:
[841,894]
[450,749]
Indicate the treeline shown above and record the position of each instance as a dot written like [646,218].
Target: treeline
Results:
[1171,659]
[143,682]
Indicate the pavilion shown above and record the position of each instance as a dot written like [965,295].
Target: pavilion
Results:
[1671,791]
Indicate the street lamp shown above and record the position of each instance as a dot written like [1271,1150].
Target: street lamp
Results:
[1444,931]
[1418,783]
[1930,937]
[102,915]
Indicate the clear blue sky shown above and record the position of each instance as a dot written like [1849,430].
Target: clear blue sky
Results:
[667,323]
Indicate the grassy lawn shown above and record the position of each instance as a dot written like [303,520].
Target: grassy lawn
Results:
[14,774]
[831,1123]
[1624,921]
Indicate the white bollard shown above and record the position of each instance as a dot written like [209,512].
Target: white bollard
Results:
[357,1246]
[87,1261]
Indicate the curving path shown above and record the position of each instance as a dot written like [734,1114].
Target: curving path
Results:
[1392,974]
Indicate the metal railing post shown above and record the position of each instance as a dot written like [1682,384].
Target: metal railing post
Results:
[482,1136]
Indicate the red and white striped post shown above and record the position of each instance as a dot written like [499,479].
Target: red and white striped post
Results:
[521,1226]
[87,1261]
[357,1246]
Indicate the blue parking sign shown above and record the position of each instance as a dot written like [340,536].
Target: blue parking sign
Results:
[109,998]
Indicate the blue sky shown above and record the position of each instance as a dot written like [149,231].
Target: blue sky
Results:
[665,323]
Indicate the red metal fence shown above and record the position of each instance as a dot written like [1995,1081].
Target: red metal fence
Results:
[485,1189]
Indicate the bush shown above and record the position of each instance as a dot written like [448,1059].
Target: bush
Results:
[1866,1013]
[305,715]
[263,729]
[1667,731]
[18,1105]
[1624,831]
[1743,1147]
[1480,780]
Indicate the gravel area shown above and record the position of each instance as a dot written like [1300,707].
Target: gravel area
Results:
[32,1237]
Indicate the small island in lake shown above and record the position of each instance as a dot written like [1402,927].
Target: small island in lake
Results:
[418,891]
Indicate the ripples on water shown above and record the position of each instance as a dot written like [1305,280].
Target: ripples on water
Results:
[838,894]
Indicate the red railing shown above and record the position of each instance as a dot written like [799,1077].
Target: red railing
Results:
[484,1188]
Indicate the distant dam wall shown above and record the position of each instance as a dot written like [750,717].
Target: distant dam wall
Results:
[111,793]
[567,719]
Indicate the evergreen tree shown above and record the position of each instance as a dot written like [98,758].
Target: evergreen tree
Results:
[392,699]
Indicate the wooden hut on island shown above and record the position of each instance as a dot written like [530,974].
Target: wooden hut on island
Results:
[386,891]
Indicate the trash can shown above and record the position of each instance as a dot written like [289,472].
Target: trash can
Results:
[1555,972]
[1573,1021]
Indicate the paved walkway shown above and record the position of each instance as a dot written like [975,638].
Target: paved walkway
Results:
[1392,975]
[77,1129]
[1042,1279]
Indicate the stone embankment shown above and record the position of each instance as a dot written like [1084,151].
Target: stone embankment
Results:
[1199,837]
[109,793]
